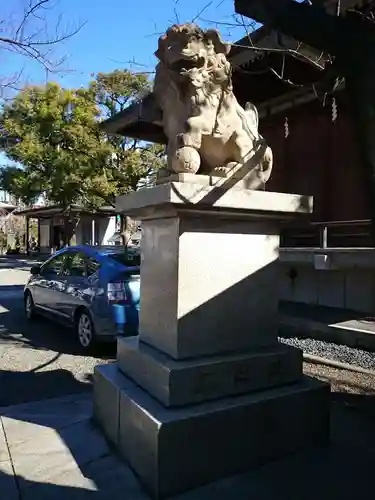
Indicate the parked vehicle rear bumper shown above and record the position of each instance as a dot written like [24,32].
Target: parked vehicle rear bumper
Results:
[106,328]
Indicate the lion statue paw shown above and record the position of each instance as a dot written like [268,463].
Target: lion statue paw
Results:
[186,160]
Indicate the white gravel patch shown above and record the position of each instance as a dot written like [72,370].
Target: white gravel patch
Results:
[337,352]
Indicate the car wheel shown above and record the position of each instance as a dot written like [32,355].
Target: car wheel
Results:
[29,307]
[85,330]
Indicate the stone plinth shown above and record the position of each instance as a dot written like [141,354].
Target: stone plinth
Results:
[198,269]
[176,449]
[178,383]
[206,390]
[204,249]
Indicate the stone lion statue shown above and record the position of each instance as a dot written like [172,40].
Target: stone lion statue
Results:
[208,131]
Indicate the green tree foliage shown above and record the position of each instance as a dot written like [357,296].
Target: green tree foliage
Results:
[116,90]
[53,133]
[134,163]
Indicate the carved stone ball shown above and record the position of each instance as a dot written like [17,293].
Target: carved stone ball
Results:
[187,160]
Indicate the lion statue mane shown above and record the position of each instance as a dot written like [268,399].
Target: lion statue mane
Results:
[208,131]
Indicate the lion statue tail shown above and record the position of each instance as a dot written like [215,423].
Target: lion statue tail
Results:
[252,122]
[252,119]
[267,164]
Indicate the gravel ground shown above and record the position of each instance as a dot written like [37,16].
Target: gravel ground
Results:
[342,353]
[38,360]
[350,391]
[343,381]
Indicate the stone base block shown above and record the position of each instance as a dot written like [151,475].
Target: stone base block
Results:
[176,383]
[227,180]
[106,400]
[174,450]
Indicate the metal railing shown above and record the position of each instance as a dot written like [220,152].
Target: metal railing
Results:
[328,234]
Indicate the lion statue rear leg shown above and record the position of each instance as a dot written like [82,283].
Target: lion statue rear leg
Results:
[255,172]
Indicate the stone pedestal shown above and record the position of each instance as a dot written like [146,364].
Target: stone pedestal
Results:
[206,390]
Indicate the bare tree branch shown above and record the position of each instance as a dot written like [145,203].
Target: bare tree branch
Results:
[201,11]
[31,10]
[27,35]
[249,27]
[10,83]
[133,62]
[284,51]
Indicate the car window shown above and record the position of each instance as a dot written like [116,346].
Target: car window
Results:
[55,266]
[92,266]
[126,259]
[75,264]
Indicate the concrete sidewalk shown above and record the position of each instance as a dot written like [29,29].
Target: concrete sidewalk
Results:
[19,262]
[51,450]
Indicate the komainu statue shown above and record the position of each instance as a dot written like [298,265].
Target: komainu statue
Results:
[208,131]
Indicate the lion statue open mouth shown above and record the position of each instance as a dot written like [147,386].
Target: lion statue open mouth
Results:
[208,131]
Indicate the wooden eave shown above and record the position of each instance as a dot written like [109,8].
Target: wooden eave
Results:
[141,120]
[50,211]
[263,41]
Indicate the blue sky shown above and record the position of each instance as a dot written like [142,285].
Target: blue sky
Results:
[115,33]
[118,31]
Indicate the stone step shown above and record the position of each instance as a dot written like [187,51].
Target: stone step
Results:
[211,440]
[331,324]
[182,382]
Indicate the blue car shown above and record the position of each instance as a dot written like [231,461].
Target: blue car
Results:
[95,290]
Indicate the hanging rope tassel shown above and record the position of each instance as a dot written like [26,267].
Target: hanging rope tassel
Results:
[334,110]
[286,128]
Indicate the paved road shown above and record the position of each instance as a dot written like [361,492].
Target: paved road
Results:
[38,360]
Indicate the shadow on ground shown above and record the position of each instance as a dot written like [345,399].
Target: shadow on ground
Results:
[61,456]
[40,359]
[40,333]
[19,261]
[16,387]
[342,470]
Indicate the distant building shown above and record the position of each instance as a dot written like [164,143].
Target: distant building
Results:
[7,202]
[86,227]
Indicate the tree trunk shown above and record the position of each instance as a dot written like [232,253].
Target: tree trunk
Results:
[126,229]
[69,228]
[27,236]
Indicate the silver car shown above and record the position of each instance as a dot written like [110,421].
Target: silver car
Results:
[95,290]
